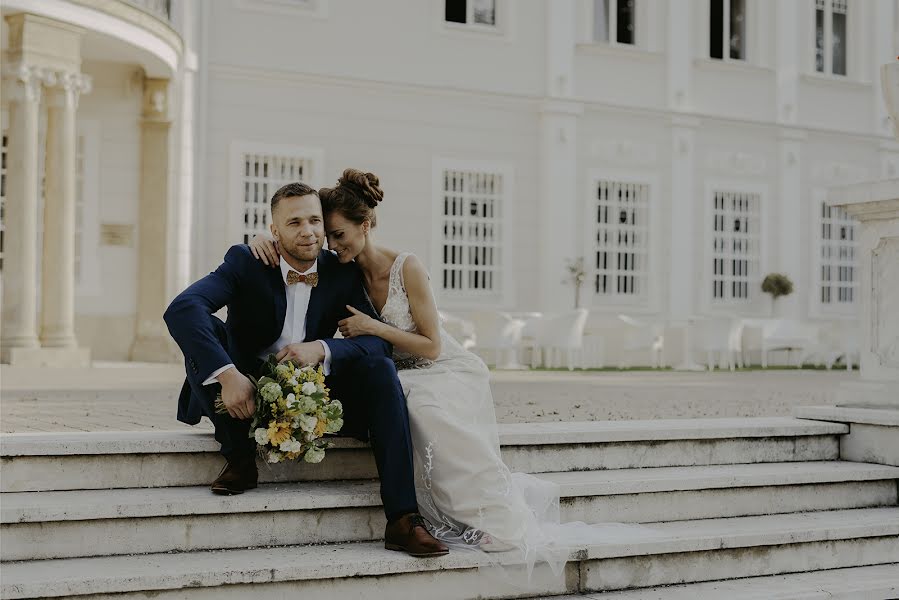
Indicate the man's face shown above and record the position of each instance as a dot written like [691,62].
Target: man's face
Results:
[298,226]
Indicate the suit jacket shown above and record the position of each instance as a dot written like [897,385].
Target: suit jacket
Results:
[256,298]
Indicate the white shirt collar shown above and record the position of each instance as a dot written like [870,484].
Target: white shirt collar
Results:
[286,268]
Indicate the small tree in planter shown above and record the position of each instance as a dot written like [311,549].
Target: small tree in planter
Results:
[777,284]
[576,276]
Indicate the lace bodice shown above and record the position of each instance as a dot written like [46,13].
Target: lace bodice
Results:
[398,313]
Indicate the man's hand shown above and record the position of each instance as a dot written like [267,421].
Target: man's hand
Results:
[238,394]
[359,324]
[306,353]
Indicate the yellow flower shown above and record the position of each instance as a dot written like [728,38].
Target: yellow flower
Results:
[321,427]
[278,432]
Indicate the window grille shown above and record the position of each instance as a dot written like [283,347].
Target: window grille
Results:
[620,213]
[735,246]
[262,175]
[471,231]
[839,266]
[3,159]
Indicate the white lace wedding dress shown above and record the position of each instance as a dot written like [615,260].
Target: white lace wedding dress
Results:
[464,489]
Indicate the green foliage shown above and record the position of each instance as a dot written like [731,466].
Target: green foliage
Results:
[777,284]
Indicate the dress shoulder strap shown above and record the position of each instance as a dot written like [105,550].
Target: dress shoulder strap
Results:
[396,274]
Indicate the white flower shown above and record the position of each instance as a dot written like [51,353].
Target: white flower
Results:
[261,436]
[314,455]
[308,405]
[309,436]
[308,388]
[291,399]
[275,457]
[320,388]
[271,391]
[290,445]
[335,425]
[308,422]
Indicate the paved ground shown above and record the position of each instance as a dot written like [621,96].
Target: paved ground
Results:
[129,397]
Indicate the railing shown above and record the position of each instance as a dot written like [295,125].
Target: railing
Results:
[158,8]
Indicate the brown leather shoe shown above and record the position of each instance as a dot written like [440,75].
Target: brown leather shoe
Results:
[236,477]
[410,534]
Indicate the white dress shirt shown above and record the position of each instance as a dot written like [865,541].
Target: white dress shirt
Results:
[294,330]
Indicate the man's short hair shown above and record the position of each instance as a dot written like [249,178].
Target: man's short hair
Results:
[292,190]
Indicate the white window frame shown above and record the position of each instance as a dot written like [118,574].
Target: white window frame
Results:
[292,8]
[502,17]
[239,149]
[88,283]
[587,25]
[503,296]
[4,119]
[748,7]
[828,39]
[650,300]
[834,309]
[754,304]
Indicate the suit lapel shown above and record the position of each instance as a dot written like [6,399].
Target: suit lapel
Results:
[280,294]
[318,298]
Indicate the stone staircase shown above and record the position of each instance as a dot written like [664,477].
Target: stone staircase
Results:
[741,504]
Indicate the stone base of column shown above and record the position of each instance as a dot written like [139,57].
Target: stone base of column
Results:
[47,357]
[155,349]
[9,346]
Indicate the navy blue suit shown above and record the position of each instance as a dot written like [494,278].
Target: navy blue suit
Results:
[362,376]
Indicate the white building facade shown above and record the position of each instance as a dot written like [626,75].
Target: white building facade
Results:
[682,149]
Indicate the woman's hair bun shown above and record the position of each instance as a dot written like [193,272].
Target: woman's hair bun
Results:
[363,185]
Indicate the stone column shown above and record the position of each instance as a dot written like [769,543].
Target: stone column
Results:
[58,268]
[789,207]
[152,341]
[19,320]
[682,268]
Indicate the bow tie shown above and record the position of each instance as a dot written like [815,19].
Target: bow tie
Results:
[294,277]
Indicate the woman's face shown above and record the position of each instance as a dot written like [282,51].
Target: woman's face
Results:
[345,237]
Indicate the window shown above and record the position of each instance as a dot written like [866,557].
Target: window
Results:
[727,29]
[258,171]
[614,21]
[619,261]
[471,222]
[3,157]
[831,25]
[838,267]
[735,245]
[471,12]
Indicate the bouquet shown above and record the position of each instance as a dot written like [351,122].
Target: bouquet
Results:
[293,412]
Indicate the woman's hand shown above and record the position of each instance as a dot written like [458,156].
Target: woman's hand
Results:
[266,250]
[359,324]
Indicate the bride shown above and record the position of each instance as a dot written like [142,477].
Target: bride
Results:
[464,488]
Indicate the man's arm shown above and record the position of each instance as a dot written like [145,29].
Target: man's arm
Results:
[189,316]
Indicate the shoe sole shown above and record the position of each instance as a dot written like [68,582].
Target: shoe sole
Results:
[223,491]
[396,548]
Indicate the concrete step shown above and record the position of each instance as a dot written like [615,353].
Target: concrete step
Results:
[68,461]
[61,524]
[874,583]
[679,552]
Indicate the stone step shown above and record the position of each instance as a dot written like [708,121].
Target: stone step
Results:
[874,582]
[62,524]
[677,552]
[68,461]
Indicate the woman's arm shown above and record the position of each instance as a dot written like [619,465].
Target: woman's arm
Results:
[264,248]
[426,342]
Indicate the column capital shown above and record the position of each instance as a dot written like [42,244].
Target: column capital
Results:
[27,81]
[68,87]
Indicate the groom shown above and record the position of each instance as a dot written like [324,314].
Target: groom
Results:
[293,313]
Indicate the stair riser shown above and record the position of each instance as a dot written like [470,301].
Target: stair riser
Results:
[729,502]
[67,539]
[70,472]
[594,576]
[688,567]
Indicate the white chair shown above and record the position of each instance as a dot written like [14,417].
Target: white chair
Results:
[558,335]
[461,329]
[719,339]
[838,340]
[497,337]
[789,335]
[642,336]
